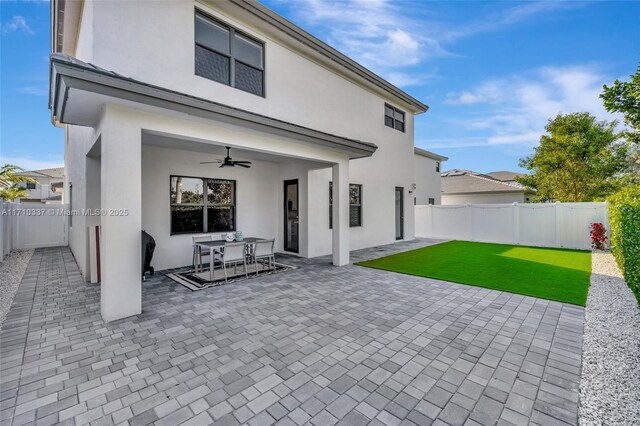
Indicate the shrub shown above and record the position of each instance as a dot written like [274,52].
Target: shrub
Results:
[624,218]
[598,236]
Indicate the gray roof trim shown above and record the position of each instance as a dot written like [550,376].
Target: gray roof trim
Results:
[67,72]
[294,31]
[429,154]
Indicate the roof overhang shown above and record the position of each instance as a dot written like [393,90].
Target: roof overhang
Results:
[65,24]
[424,153]
[78,90]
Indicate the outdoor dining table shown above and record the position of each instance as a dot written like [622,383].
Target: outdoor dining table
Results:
[215,245]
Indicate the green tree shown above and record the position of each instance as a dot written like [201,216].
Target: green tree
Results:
[579,159]
[14,190]
[624,97]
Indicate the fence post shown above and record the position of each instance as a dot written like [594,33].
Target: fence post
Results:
[556,208]
[431,213]
[467,215]
[2,220]
[606,224]
[516,223]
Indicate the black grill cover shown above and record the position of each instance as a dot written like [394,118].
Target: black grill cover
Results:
[148,247]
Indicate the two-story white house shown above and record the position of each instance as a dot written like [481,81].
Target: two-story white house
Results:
[47,185]
[147,91]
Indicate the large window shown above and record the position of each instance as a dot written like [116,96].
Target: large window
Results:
[31,185]
[393,117]
[225,55]
[202,205]
[355,205]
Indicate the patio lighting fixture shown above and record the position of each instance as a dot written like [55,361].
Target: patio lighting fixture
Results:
[228,161]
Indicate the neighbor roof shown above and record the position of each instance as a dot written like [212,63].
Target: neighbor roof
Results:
[54,172]
[429,154]
[504,175]
[460,181]
[69,12]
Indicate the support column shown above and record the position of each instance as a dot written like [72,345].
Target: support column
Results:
[341,213]
[121,220]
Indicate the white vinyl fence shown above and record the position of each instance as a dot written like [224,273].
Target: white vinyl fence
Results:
[564,225]
[24,226]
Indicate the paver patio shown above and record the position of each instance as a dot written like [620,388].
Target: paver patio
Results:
[318,344]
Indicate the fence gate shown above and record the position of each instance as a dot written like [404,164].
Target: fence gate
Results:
[41,226]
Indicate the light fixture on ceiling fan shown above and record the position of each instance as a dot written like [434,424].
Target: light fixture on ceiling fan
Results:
[228,161]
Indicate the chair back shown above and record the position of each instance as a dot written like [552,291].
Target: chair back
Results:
[264,248]
[233,252]
[201,239]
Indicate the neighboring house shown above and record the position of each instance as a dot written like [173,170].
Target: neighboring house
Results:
[47,188]
[466,186]
[147,91]
[427,171]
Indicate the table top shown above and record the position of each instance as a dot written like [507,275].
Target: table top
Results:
[219,243]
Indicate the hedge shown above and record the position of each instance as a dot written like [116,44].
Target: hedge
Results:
[624,219]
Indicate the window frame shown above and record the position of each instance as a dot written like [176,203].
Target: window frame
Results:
[431,201]
[360,186]
[231,55]
[205,205]
[27,184]
[394,120]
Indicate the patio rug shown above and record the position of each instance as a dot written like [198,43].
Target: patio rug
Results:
[201,280]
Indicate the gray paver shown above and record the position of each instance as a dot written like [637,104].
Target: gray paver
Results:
[317,344]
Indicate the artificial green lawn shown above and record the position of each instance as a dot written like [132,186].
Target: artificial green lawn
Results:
[547,273]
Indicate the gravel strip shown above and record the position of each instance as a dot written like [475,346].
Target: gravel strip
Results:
[610,383]
[11,272]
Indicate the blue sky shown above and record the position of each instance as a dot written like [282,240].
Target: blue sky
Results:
[493,73]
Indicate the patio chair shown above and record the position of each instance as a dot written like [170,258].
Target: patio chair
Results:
[263,249]
[197,251]
[234,253]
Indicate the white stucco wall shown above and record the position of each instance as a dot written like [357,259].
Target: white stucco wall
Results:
[78,141]
[428,181]
[154,42]
[488,198]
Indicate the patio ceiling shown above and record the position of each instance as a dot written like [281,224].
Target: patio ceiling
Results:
[214,152]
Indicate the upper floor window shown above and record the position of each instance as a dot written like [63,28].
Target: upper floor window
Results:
[227,56]
[437,166]
[31,185]
[393,117]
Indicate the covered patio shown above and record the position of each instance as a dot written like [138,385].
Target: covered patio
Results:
[319,345]
[141,139]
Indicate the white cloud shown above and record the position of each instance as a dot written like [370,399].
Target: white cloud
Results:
[488,92]
[396,39]
[30,163]
[514,110]
[379,34]
[17,23]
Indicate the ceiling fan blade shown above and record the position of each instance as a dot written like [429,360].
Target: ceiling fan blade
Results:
[211,162]
[242,162]
[246,166]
